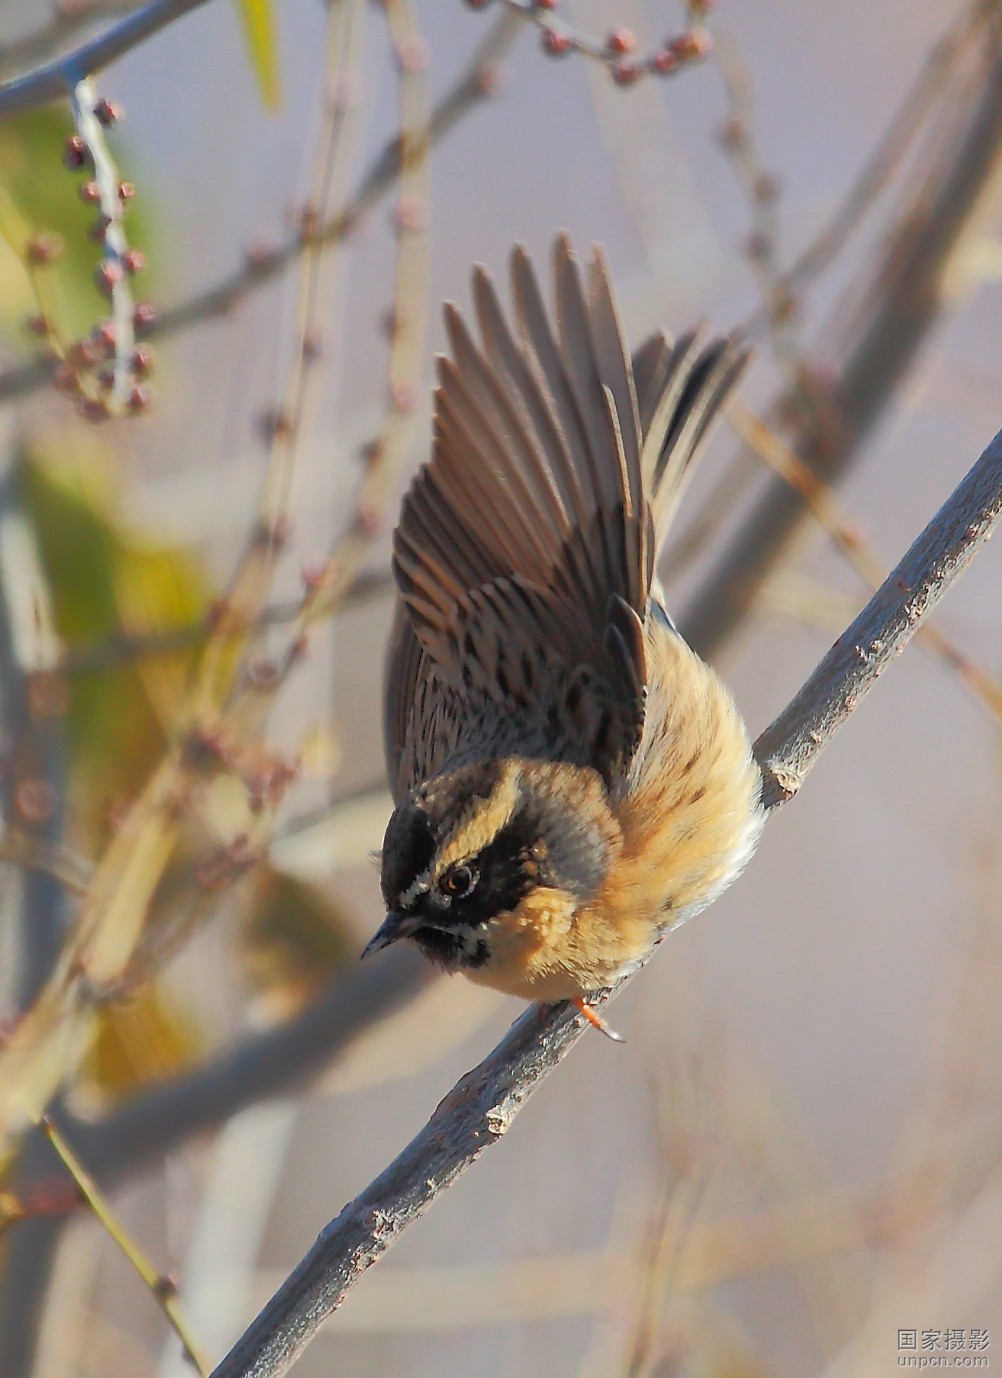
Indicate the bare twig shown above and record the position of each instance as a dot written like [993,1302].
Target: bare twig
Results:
[780,285]
[904,299]
[124,646]
[50,858]
[161,1287]
[52,81]
[36,46]
[142,1129]
[616,50]
[326,591]
[274,1060]
[761,187]
[474,86]
[480,1109]
[896,140]
[825,509]
[790,746]
[118,262]
[251,581]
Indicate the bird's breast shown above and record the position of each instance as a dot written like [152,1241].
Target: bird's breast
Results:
[550,949]
[690,806]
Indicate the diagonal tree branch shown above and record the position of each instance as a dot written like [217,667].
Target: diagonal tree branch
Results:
[480,1108]
[54,79]
[153,1122]
[156,1120]
[36,46]
[790,746]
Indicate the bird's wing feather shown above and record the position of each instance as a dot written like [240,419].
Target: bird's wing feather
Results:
[525,549]
[423,722]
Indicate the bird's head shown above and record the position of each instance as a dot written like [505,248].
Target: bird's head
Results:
[466,851]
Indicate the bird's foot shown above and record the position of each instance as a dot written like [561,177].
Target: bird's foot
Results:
[596,1021]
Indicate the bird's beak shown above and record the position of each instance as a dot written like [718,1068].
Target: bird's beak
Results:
[394,926]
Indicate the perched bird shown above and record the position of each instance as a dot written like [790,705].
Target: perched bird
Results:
[570,779]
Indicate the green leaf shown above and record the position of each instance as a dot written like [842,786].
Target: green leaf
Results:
[258,20]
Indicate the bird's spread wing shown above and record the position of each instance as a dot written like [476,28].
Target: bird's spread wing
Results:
[423,714]
[525,548]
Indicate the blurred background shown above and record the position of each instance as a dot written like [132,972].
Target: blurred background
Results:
[794,1164]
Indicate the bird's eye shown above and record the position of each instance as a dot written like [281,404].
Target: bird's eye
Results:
[460,882]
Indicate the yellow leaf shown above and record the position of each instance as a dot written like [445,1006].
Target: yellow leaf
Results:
[140,1041]
[294,938]
[109,580]
[258,22]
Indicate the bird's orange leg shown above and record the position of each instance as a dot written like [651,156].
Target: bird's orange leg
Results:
[596,1021]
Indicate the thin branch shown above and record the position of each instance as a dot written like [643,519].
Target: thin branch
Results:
[762,191]
[780,286]
[892,148]
[789,748]
[617,49]
[52,81]
[38,45]
[123,646]
[474,86]
[902,301]
[107,938]
[156,1120]
[161,1287]
[375,491]
[824,507]
[480,1109]
[118,262]
[268,1063]
[250,584]
[52,859]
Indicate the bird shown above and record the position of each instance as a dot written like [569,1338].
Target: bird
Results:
[570,780]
